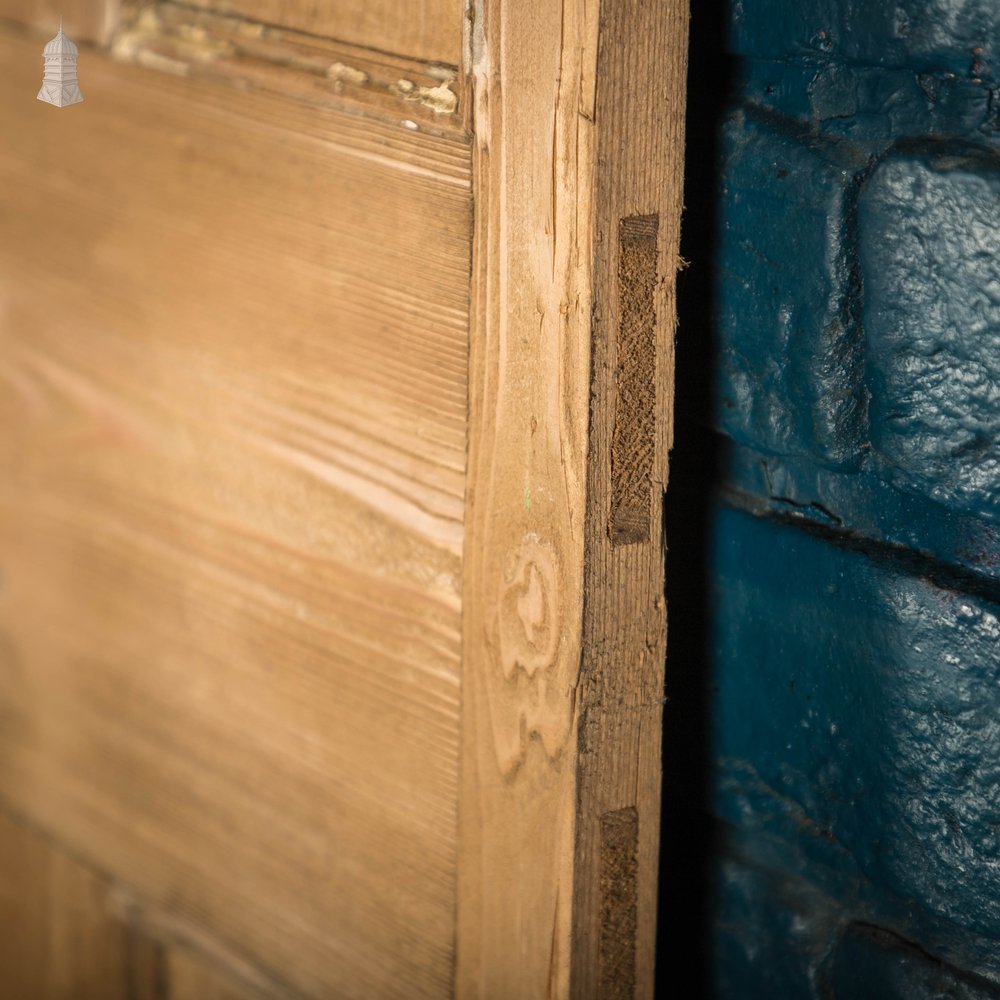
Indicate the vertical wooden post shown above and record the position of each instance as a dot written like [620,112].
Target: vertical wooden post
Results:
[577,150]
[638,195]
[533,83]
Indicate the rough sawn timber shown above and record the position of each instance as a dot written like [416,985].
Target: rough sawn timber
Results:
[578,138]
[233,348]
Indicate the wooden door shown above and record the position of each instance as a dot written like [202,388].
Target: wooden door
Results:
[335,384]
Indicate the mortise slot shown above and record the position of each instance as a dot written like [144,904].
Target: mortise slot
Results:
[634,439]
[619,894]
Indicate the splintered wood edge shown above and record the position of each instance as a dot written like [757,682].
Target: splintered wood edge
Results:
[578,114]
[248,55]
[641,80]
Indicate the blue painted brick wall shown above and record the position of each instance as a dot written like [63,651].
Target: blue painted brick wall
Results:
[856,535]
[930,259]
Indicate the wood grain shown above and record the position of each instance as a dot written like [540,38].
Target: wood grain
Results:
[429,30]
[189,978]
[249,55]
[233,389]
[83,20]
[640,119]
[331,629]
[533,82]
[70,933]
[59,939]
[577,120]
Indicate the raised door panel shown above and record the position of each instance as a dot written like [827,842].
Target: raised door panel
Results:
[83,20]
[429,30]
[233,351]
[335,387]
[71,933]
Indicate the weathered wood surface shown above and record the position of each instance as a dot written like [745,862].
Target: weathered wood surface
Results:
[577,116]
[187,977]
[233,350]
[69,933]
[640,109]
[279,504]
[186,41]
[533,90]
[429,30]
[83,20]
[59,937]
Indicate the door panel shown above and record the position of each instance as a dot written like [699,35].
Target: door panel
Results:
[429,30]
[320,666]
[60,937]
[84,20]
[72,933]
[234,344]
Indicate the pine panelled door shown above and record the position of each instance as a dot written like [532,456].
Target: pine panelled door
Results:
[336,361]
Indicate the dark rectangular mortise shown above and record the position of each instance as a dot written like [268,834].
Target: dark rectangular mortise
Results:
[619,902]
[634,438]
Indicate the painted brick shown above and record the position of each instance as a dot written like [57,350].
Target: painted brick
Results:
[857,740]
[870,963]
[863,505]
[791,348]
[856,695]
[779,935]
[957,35]
[772,929]
[872,107]
[930,252]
